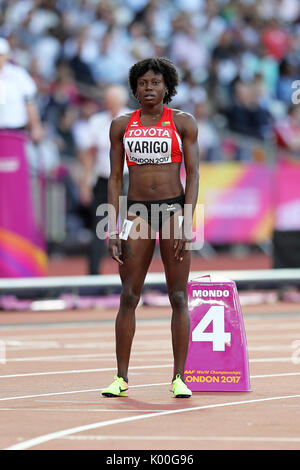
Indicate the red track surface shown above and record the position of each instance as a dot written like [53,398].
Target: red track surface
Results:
[57,363]
[55,369]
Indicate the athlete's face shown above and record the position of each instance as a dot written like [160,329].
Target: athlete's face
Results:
[151,88]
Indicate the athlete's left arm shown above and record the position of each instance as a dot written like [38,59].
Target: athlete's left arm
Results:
[188,130]
[189,135]
[191,159]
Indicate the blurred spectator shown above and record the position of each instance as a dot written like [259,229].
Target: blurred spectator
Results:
[185,47]
[136,5]
[80,135]
[246,116]
[288,73]
[275,39]
[250,31]
[288,10]
[208,139]
[63,93]
[287,131]
[244,55]
[141,45]
[260,62]
[96,165]
[87,108]
[46,53]
[19,53]
[189,91]
[18,108]
[44,15]
[157,18]
[223,68]
[64,131]
[224,57]
[212,42]
[81,51]
[114,58]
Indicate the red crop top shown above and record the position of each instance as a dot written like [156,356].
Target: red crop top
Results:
[156,145]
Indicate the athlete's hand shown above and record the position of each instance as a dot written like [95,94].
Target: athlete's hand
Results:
[179,247]
[114,247]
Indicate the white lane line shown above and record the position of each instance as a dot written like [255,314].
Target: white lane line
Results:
[275,347]
[182,438]
[93,410]
[78,391]
[68,357]
[132,386]
[83,371]
[12,346]
[92,334]
[251,338]
[263,376]
[275,326]
[105,369]
[50,394]
[151,333]
[272,359]
[17,346]
[92,324]
[101,424]
[142,329]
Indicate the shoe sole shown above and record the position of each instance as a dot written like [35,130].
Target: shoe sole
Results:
[112,395]
[182,396]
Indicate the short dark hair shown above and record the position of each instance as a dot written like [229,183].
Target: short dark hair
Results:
[158,65]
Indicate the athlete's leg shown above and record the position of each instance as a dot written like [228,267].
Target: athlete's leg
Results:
[136,257]
[177,273]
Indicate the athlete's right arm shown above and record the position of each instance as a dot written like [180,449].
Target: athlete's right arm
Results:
[115,182]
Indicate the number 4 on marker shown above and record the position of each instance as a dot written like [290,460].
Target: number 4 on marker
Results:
[218,336]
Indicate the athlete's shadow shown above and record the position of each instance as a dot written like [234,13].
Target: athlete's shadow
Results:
[198,398]
[132,404]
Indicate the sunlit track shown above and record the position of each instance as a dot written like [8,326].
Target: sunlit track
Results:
[70,392]
[61,434]
[60,370]
[142,367]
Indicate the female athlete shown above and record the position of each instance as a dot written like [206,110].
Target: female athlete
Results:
[155,140]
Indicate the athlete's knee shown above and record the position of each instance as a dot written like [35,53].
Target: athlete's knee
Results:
[178,299]
[129,299]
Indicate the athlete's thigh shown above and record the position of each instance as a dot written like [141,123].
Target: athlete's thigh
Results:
[177,272]
[137,253]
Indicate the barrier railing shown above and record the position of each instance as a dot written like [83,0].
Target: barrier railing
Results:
[51,287]
[239,147]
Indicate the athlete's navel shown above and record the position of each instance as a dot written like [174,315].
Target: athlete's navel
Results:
[153,187]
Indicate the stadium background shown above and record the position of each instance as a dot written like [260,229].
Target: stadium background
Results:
[238,61]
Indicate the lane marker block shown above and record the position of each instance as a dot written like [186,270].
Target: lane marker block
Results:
[217,358]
